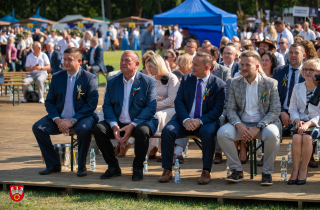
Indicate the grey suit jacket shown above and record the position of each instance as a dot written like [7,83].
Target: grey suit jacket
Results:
[270,108]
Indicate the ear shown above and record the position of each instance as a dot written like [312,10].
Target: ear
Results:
[79,60]
[257,66]
[207,67]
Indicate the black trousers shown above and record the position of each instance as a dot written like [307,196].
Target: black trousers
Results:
[103,133]
[113,48]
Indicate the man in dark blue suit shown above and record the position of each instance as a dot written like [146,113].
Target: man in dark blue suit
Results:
[94,58]
[229,55]
[71,105]
[54,57]
[129,109]
[199,104]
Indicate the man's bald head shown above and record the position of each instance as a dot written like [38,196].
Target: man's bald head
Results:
[283,44]
[305,26]
[133,54]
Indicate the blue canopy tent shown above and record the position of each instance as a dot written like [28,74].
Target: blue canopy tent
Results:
[9,18]
[202,18]
[37,15]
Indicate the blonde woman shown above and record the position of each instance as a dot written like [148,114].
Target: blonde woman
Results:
[171,57]
[272,33]
[11,54]
[184,63]
[304,115]
[85,43]
[144,59]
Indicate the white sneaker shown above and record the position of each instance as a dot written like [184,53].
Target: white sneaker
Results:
[41,101]
[24,101]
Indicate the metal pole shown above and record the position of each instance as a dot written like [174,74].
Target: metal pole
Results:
[102,5]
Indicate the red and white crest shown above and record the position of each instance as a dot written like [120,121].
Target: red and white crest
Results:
[16,192]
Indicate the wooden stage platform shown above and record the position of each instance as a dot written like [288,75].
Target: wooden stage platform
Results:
[20,161]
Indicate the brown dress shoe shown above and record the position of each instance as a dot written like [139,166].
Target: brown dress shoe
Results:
[123,151]
[205,177]
[180,157]
[312,163]
[166,176]
[117,150]
[217,158]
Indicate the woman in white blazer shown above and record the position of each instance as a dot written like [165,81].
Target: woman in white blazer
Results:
[304,115]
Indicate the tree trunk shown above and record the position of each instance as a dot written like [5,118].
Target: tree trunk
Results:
[257,8]
[239,6]
[108,12]
[272,3]
[159,6]
[138,8]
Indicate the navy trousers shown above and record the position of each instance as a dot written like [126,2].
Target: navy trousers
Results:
[175,130]
[46,127]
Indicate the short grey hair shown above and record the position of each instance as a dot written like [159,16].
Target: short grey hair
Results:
[95,40]
[50,43]
[71,45]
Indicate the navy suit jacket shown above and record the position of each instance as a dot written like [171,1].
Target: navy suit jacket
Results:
[55,61]
[142,105]
[212,106]
[278,74]
[84,106]
[235,68]
[98,58]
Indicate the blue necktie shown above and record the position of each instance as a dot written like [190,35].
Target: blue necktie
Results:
[292,81]
[68,106]
[197,109]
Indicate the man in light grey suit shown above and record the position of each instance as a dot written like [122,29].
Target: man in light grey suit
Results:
[283,49]
[223,73]
[253,109]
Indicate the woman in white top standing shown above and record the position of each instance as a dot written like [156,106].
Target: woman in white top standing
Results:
[135,37]
[53,38]
[28,40]
[304,115]
[85,43]
[3,42]
[21,54]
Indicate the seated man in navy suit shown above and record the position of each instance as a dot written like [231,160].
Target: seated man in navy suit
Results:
[199,104]
[229,55]
[71,105]
[129,109]
[94,58]
[54,57]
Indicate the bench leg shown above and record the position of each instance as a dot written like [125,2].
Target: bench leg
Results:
[251,160]
[6,90]
[255,157]
[1,90]
[18,89]
[13,101]
[71,153]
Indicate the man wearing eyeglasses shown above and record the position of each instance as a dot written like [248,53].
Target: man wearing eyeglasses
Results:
[191,47]
[283,49]
[283,32]
[229,55]
[255,38]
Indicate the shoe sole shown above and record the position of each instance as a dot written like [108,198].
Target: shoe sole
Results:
[266,184]
[110,177]
[81,175]
[203,183]
[166,181]
[137,179]
[233,180]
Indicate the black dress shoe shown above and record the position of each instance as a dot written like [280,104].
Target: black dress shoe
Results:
[291,182]
[50,170]
[159,160]
[111,172]
[82,172]
[137,174]
[301,182]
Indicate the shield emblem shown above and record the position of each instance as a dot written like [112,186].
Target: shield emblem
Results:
[16,192]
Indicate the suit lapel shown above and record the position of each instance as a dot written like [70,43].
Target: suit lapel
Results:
[76,84]
[193,85]
[120,89]
[208,88]
[64,82]
[216,70]
[261,91]
[136,84]
[243,92]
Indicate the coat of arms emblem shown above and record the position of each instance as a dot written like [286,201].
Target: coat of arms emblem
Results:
[16,192]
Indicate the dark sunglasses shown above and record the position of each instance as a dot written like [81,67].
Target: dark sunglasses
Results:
[281,42]
[166,57]
[308,70]
[254,40]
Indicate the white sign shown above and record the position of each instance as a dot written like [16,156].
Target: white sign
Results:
[301,11]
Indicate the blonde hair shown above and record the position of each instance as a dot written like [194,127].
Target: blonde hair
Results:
[272,31]
[255,55]
[315,62]
[157,61]
[10,40]
[246,42]
[146,56]
[185,61]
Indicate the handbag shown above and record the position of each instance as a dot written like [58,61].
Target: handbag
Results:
[32,96]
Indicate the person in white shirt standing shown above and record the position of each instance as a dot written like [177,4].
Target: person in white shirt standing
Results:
[177,37]
[307,33]
[253,110]
[53,38]
[37,64]
[283,32]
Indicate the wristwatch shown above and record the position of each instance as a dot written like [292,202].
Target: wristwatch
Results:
[73,121]
[259,126]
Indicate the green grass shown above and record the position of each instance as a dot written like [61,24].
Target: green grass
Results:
[55,198]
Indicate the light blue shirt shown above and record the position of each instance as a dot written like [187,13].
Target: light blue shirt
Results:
[73,82]
[297,76]
[91,62]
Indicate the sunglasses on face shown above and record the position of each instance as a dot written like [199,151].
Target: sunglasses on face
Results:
[281,42]
[254,40]
[308,70]
[166,57]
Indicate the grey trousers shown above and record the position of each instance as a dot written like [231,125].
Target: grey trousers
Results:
[39,78]
[182,142]
[270,135]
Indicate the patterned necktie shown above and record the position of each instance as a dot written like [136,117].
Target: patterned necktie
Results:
[292,81]
[69,100]
[197,109]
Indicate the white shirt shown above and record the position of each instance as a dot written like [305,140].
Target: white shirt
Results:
[28,41]
[251,112]
[54,40]
[113,34]
[280,58]
[261,37]
[309,35]
[317,34]
[21,44]
[297,75]
[285,34]
[177,38]
[4,38]
[203,88]
[91,62]
[63,46]
[13,35]
[42,60]
[285,52]
[124,116]
[135,33]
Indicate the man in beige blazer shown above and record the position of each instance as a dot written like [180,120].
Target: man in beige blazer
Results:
[253,109]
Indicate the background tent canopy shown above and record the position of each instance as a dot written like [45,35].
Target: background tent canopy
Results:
[8,18]
[195,12]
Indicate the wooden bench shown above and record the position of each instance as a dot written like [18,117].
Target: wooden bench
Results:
[12,87]
[104,74]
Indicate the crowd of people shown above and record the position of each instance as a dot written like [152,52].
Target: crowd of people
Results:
[227,96]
